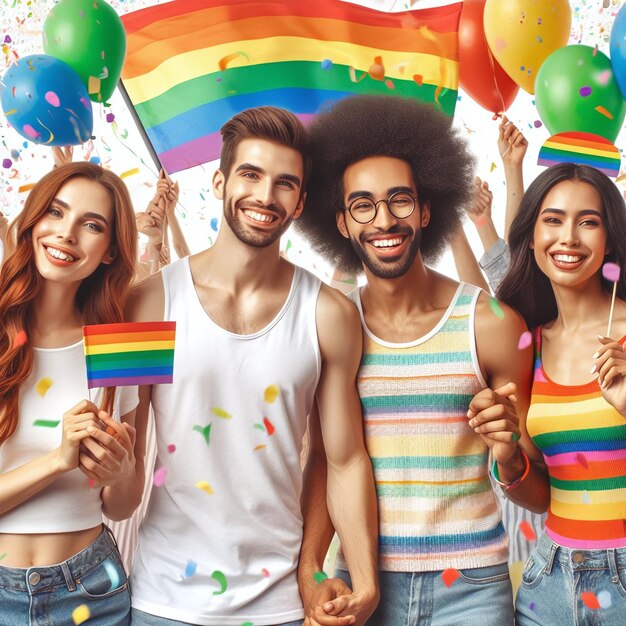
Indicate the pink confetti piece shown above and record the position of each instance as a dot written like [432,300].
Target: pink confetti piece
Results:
[159,476]
[611,271]
[52,98]
[265,572]
[30,131]
[171,448]
[525,340]
[580,457]
[604,77]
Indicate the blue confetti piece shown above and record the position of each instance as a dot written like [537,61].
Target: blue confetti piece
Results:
[190,569]
[113,574]
[214,224]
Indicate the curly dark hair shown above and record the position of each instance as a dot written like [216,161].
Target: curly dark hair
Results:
[416,132]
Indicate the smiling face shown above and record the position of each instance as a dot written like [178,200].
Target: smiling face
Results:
[570,237]
[262,194]
[387,246]
[73,236]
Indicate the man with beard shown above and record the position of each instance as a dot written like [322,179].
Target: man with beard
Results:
[442,383]
[258,343]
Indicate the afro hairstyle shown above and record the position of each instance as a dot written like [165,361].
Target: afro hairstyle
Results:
[416,132]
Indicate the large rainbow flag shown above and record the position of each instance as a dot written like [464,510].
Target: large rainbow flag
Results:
[134,353]
[193,64]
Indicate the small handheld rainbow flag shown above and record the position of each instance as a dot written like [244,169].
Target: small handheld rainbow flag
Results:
[135,353]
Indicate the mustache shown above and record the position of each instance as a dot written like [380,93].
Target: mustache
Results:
[394,230]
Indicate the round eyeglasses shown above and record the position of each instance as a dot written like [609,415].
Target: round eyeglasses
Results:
[400,204]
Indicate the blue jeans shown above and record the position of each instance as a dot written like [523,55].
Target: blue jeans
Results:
[479,597]
[140,618]
[554,579]
[93,579]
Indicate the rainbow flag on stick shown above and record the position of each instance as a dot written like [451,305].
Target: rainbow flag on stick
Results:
[193,64]
[138,353]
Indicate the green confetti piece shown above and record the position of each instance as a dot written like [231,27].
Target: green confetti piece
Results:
[247,624]
[260,427]
[221,581]
[205,431]
[47,423]
[319,577]
[495,307]
[3,555]
[221,413]
[514,437]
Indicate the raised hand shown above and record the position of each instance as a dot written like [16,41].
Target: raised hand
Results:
[609,362]
[512,144]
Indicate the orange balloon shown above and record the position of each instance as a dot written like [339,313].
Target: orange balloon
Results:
[480,75]
[522,34]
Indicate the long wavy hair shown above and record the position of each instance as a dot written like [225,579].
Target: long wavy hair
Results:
[100,297]
[525,287]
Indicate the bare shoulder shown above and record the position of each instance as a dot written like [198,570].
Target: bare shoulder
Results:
[496,321]
[146,301]
[338,324]
[333,307]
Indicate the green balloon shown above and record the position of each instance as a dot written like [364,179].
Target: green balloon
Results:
[576,90]
[89,36]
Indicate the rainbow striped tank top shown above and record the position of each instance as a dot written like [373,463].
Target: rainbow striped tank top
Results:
[437,507]
[583,440]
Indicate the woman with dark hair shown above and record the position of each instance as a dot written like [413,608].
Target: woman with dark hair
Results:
[71,265]
[571,222]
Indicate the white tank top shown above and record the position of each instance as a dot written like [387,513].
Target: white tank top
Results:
[56,383]
[221,538]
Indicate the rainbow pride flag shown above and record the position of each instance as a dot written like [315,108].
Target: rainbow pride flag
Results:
[137,353]
[192,64]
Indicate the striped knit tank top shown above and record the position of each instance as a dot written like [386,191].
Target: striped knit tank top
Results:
[436,505]
[583,441]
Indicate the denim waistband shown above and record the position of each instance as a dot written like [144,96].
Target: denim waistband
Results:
[580,559]
[67,573]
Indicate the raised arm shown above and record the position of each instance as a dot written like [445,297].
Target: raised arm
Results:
[512,146]
[465,262]
[350,484]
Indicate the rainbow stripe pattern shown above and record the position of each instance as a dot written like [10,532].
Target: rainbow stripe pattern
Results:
[193,64]
[583,440]
[582,148]
[437,508]
[137,353]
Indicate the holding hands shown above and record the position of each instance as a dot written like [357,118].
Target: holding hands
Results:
[609,363]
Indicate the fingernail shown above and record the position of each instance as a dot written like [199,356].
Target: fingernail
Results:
[602,337]
[595,355]
[91,430]
[593,369]
[472,423]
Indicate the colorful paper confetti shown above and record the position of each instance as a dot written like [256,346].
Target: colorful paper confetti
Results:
[449,576]
[47,423]
[221,413]
[318,577]
[131,172]
[113,574]
[271,393]
[205,431]
[190,568]
[171,448]
[160,475]
[525,340]
[221,581]
[269,426]
[42,386]
[580,457]
[81,614]
[589,599]
[527,530]
[496,308]
[202,484]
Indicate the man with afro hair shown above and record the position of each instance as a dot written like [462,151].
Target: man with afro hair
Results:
[442,383]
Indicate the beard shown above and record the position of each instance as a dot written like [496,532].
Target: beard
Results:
[246,233]
[390,267]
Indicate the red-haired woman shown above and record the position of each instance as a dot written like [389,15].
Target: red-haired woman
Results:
[72,264]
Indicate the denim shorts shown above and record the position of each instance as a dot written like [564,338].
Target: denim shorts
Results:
[140,618]
[556,580]
[92,583]
[478,597]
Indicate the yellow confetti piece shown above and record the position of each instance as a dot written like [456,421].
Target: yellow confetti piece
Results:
[23,188]
[259,447]
[93,85]
[43,385]
[128,173]
[202,484]
[221,413]
[620,178]
[271,393]
[81,614]
[493,166]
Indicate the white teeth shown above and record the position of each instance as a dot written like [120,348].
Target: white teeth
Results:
[259,217]
[57,254]
[566,258]
[386,243]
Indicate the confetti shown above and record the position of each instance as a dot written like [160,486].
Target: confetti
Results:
[604,77]
[30,131]
[525,340]
[611,271]
[113,574]
[42,386]
[265,572]
[585,91]
[3,555]
[221,413]
[419,79]
[159,476]
[224,61]
[47,423]
[110,117]
[590,600]
[604,599]
[93,85]
[580,457]
[171,448]
[205,431]
[532,606]
[202,484]
[221,581]
[493,166]
[81,614]
[23,188]
[259,447]
[496,308]
[214,223]
[327,64]
[537,123]
[318,577]
[586,498]
[269,426]
[601,109]
[6,163]
[190,569]
[449,576]
[271,393]
[131,172]
[528,531]
[377,69]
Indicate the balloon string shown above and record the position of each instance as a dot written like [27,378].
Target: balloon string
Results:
[495,82]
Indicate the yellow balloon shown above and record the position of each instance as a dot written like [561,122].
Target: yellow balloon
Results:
[522,34]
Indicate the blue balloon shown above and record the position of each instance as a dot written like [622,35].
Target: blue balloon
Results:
[618,49]
[45,101]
